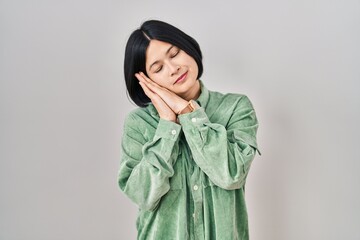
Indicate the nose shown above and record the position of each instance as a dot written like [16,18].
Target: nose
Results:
[174,69]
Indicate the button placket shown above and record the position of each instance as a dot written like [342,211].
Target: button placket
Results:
[197,196]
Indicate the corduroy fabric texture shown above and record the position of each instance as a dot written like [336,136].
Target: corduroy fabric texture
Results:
[188,179]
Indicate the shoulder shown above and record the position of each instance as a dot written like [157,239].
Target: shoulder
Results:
[138,113]
[230,98]
[139,117]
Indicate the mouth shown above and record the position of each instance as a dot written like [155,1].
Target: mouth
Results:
[181,78]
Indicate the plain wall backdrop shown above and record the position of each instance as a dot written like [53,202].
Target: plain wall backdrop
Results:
[63,102]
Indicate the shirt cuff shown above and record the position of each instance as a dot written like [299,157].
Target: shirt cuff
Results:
[196,118]
[167,129]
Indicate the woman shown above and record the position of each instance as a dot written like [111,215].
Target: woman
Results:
[186,151]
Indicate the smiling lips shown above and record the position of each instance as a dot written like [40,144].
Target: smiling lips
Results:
[181,78]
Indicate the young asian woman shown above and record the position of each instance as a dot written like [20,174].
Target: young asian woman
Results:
[186,150]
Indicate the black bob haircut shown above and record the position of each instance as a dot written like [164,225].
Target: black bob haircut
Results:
[136,49]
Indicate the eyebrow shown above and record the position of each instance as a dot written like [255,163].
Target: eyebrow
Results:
[165,54]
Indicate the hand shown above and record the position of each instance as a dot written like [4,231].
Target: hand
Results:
[175,102]
[165,112]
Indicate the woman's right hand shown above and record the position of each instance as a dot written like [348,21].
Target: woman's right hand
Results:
[165,112]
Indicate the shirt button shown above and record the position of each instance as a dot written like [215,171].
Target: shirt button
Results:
[173,132]
[193,120]
[193,215]
[196,187]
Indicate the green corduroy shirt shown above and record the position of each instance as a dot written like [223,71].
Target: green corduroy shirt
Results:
[188,179]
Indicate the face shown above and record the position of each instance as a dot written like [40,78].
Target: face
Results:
[171,67]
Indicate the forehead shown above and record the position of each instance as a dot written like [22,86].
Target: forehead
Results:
[156,50]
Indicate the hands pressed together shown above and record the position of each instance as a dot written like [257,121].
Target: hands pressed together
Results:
[166,102]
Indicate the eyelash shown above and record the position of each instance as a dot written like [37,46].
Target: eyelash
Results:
[158,70]
[172,56]
[175,54]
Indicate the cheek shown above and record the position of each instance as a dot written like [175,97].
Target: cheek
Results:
[192,63]
[194,67]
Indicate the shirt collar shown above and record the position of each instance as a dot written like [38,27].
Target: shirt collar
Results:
[202,100]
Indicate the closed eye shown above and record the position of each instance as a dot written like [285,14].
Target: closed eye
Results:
[158,70]
[171,56]
[174,54]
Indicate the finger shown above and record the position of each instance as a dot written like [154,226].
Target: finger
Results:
[145,77]
[149,83]
[160,96]
[145,80]
[146,83]
[159,104]
[169,97]
[147,91]
[140,77]
[148,80]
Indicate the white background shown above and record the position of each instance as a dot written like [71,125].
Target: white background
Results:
[63,102]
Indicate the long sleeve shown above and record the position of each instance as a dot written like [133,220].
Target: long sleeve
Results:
[224,152]
[189,178]
[147,165]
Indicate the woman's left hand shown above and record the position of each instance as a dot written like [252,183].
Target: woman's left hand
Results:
[175,102]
